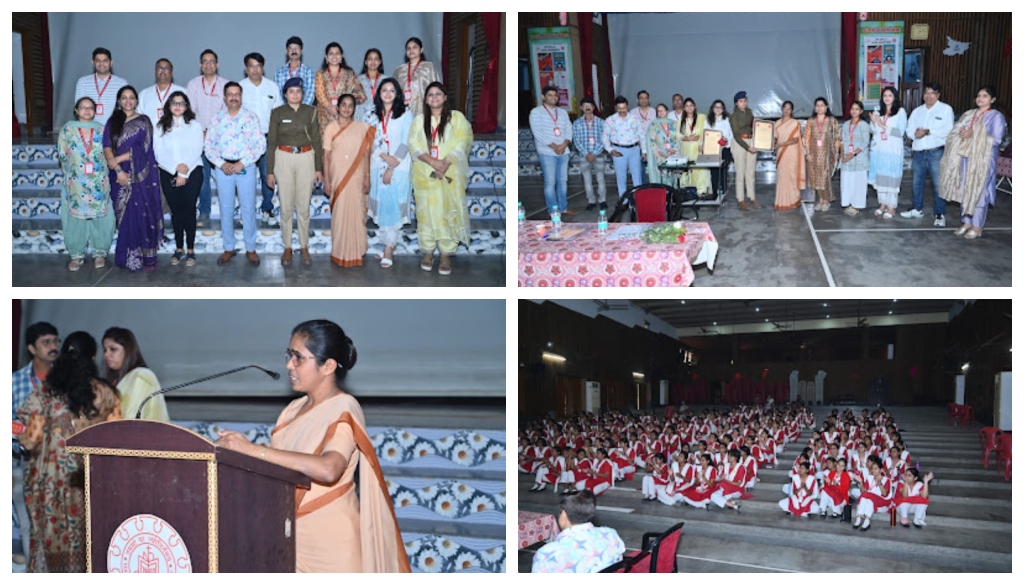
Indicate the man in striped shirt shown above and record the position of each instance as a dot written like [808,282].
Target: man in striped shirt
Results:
[296,68]
[586,137]
[102,85]
[206,93]
[552,133]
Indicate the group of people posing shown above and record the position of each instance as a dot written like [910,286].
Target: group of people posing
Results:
[371,141]
[714,458]
[958,156]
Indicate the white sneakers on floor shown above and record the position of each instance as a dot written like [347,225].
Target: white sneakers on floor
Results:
[912,214]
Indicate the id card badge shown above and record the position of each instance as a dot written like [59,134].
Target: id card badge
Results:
[334,101]
[819,143]
[408,95]
[433,152]
[99,109]
[591,141]
[851,149]
[89,168]
[558,132]
[159,113]
[884,135]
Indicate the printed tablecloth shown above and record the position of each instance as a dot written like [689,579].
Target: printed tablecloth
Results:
[593,259]
[535,527]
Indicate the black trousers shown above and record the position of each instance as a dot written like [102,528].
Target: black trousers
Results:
[721,175]
[182,201]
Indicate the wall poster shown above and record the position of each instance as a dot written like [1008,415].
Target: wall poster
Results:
[881,58]
[551,60]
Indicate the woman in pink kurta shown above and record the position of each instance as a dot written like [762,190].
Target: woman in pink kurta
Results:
[323,435]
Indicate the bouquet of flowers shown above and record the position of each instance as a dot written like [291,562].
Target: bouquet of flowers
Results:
[666,233]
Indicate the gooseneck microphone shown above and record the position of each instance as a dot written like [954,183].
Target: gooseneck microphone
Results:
[274,375]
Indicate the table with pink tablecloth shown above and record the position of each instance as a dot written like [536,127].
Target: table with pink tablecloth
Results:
[535,527]
[594,259]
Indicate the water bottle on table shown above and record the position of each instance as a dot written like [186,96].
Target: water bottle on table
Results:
[522,214]
[556,220]
[602,222]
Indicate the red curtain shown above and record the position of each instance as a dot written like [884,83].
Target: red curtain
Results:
[446,32]
[848,60]
[586,26]
[487,110]
[16,325]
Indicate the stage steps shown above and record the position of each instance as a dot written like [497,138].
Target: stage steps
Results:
[969,517]
[448,488]
[36,225]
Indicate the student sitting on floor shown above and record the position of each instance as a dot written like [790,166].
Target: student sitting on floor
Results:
[802,491]
[699,494]
[877,493]
[913,497]
[731,483]
[835,494]
[550,470]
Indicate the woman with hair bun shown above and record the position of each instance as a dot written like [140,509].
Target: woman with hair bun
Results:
[72,399]
[323,435]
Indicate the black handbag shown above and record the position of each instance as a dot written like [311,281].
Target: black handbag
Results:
[847,513]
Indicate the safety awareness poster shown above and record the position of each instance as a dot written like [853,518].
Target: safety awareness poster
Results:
[881,58]
[551,60]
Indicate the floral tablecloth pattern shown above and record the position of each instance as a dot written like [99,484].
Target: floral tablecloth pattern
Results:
[535,527]
[592,260]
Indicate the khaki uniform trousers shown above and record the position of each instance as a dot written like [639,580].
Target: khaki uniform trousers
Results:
[295,175]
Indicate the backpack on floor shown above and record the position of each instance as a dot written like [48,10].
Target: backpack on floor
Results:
[847,513]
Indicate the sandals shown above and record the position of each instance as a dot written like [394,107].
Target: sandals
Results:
[99,262]
[962,230]
[427,262]
[386,262]
[190,259]
[176,259]
[444,268]
[851,211]
[886,215]
[972,235]
[879,211]
[75,264]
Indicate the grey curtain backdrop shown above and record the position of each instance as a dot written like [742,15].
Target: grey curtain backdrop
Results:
[406,348]
[707,56]
[138,39]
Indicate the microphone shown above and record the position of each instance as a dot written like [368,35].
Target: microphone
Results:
[272,374]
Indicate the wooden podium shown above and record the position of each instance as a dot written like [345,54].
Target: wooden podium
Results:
[160,498]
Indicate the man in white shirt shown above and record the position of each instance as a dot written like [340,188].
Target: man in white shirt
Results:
[552,133]
[102,85]
[677,108]
[152,99]
[644,114]
[206,93]
[261,95]
[929,125]
[624,140]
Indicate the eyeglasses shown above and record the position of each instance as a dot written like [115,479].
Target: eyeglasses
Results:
[181,104]
[56,341]
[164,68]
[208,62]
[291,354]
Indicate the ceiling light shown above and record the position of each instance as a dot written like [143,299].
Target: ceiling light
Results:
[890,312]
[715,323]
[828,316]
[766,320]
[757,309]
[964,369]
[824,304]
[553,356]
[638,375]
[683,302]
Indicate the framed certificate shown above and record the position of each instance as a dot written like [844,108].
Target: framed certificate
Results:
[709,146]
[764,135]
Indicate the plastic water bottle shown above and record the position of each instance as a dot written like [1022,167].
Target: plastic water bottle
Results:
[522,214]
[602,222]
[556,220]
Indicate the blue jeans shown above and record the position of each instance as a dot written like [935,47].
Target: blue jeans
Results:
[268,193]
[926,164]
[246,189]
[630,160]
[21,510]
[205,192]
[556,178]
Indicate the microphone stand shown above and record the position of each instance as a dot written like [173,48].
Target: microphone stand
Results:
[138,414]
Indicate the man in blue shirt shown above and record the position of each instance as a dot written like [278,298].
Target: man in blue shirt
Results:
[587,131]
[581,547]
[43,345]
[296,68]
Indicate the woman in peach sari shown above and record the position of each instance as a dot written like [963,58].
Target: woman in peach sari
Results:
[323,435]
[347,147]
[790,172]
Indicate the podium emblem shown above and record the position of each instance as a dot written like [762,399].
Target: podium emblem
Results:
[147,544]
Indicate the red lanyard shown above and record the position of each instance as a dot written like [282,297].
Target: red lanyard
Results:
[853,125]
[640,111]
[294,72]
[334,82]
[977,115]
[590,125]
[96,80]
[373,86]
[409,72]
[213,88]
[820,127]
[87,144]
[162,98]
[554,116]
[664,129]
[384,126]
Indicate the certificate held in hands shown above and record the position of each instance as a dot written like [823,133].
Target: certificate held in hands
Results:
[764,135]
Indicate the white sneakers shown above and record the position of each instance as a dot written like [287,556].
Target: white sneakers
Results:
[940,221]
[912,214]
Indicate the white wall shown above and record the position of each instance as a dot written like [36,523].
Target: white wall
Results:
[406,348]
[707,56]
[137,40]
[18,66]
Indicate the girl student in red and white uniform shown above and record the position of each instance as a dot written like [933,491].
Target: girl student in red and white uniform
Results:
[623,457]
[659,480]
[699,494]
[670,441]
[805,456]
[720,457]
[600,475]
[803,493]
[731,482]
[639,450]
[748,461]
[550,471]
[534,456]
[577,471]
[894,464]
[833,454]
[835,494]
[877,493]
[684,476]
[696,456]
[912,497]
[769,456]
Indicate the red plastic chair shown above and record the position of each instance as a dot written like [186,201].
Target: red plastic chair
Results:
[662,551]
[989,442]
[631,564]
[958,414]
[1003,453]
[967,416]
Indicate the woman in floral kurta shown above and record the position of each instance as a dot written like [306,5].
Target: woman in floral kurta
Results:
[85,211]
[334,80]
[821,145]
[415,75]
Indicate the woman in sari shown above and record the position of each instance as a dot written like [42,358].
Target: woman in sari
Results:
[853,183]
[135,184]
[415,75]
[821,148]
[334,80]
[390,167]
[790,158]
[323,435]
[347,147]
[85,213]
[885,172]
[661,137]
[968,168]
[690,134]
[126,369]
[370,78]
[72,399]
[440,141]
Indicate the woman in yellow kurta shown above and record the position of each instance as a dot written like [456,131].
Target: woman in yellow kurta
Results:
[440,146]
[791,172]
[323,435]
[126,369]
[347,147]
[691,132]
